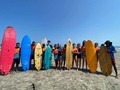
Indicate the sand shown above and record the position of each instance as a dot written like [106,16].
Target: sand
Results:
[61,80]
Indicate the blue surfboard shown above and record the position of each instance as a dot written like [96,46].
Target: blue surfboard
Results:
[25,53]
[48,58]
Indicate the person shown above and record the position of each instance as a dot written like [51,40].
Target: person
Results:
[33,45]
[64,56]
[16,57]
[55,52]
[49,44]
[79,55]
[43,53]
[97,49]
[59,56]
[75,52]
[111,50]
[83,54]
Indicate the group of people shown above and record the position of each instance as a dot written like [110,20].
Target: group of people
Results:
[79,55]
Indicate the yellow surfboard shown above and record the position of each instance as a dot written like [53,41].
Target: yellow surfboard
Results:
[69,55]
[38,56]
[105,61]
[91,56]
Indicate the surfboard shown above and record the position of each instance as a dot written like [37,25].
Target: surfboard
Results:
[105,61]
[7,51]
[69,55]
[25,53]
[44,41]
[38,56]
[48,57]
[91,56]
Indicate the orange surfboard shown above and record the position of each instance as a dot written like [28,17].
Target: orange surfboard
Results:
[91,56]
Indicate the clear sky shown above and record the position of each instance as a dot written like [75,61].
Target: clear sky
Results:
[57,20]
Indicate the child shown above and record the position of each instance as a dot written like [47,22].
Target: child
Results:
[33,45]
[16,57]
[83,54]
[75,52]
[64,55]
[111,50]
[59,55]
[97,49]
[79,55]
[55,52]
[49,44]
[43,51]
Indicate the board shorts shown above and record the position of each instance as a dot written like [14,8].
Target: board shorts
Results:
[16,56]
[16,59]
[74,55]
[79,56]
[55,57]
[43,55]
[59,53]
[113,61]
[63,56]
[32,56]
[83,54]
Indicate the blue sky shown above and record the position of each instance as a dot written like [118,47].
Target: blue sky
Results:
[57,20]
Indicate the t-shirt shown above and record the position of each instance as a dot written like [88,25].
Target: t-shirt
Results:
[17,50]
[112,51]
[75,50]
[55,51]
[63,50]
[43,49]
[33,49]
[17,53]
[83,49]
[97,49]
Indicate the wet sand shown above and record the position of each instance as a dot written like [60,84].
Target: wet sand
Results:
[61,80]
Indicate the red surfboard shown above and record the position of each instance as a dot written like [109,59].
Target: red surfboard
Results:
[7,51]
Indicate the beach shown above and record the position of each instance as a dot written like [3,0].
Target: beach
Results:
[61,80]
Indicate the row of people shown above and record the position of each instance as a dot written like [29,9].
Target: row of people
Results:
[79,55]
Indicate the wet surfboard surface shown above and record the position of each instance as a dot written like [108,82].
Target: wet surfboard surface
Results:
[105,61]
[38,56]
[7,50]
[91,56]
[69,55]
[48,57]
[25,53]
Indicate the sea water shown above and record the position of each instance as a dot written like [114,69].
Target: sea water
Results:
[117,48]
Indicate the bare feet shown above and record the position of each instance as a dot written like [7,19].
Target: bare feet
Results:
[116,77]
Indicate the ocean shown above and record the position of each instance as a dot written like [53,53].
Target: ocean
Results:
[117,48]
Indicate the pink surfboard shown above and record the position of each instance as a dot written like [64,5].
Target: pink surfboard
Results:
[7,51]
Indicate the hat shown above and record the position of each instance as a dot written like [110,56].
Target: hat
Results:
[108,41]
